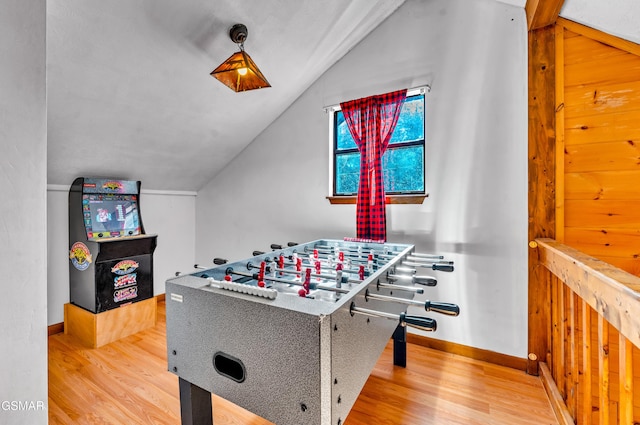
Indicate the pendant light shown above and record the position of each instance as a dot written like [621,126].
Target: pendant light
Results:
[239,72]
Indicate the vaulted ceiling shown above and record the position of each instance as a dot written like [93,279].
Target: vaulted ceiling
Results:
[129,92]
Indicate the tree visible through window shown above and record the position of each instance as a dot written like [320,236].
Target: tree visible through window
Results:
[403,161]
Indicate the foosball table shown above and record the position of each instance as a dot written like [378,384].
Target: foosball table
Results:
[293,334]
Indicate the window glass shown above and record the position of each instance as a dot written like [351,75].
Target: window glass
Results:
[343,135]
[404,170]
[403,161]
[410,125]
[348,172]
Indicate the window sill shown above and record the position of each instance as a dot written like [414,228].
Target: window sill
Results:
[390,199]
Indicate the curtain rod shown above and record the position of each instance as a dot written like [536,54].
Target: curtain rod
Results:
[410,92]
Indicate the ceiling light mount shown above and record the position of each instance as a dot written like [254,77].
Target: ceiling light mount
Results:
[239,72]
[238,33]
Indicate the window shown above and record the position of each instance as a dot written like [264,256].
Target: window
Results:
[403,161]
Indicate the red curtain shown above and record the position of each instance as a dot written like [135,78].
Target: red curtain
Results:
[371,122]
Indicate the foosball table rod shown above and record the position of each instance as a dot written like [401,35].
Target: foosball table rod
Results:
[307,264]
[400,333]
[341,278]
[419,280]
[418,322]
[338,276]
[217,261]
[385,254]
[415,279]
[256,277]
[384,258]
[448,309]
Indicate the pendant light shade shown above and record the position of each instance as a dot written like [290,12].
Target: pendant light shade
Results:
[239,72]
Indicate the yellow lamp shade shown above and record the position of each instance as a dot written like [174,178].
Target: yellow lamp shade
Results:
[240,73]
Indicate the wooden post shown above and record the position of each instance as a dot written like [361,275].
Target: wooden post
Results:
[572,380]
[555,362]
[585,384]
[532,365]
[542,154]
[603,367]
[625,352]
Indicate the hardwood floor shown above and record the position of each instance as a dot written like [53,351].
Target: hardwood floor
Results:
[126,382]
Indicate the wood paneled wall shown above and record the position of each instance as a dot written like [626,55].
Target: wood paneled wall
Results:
[600,78]
[597,205]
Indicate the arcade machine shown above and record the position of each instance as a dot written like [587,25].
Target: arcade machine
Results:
[111,257]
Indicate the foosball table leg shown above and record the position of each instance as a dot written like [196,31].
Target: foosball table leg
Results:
[195,404]
[400,346]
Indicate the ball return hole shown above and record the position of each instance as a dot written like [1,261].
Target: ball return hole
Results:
[229,366]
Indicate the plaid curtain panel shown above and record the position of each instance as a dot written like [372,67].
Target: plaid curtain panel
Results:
[371,121]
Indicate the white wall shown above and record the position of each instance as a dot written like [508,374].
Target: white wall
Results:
[474,55]
[23,256]
[621,20]
[170,215]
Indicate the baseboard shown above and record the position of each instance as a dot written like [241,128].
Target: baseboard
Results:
[557,402]
[58,328]
[471,352]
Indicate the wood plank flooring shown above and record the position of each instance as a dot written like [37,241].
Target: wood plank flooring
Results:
[126,382]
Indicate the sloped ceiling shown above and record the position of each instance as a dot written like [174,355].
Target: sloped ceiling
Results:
[129,93]
[519,3]
[620,18]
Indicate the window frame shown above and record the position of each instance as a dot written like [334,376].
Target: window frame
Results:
[394,198]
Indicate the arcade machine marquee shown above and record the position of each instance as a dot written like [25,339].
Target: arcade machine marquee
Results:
[111,257]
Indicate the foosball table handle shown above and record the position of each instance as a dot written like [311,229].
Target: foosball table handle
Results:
[425,280]
[442,267]
[219,261]
[422,323]
[443,308]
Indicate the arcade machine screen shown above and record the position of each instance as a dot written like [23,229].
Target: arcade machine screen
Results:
[108,216]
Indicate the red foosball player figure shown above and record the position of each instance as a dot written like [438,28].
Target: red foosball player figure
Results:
[307,280]
[299,268]
[281,263]
[306,285]
[263,266]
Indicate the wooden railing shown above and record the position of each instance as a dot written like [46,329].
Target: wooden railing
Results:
[594,337]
